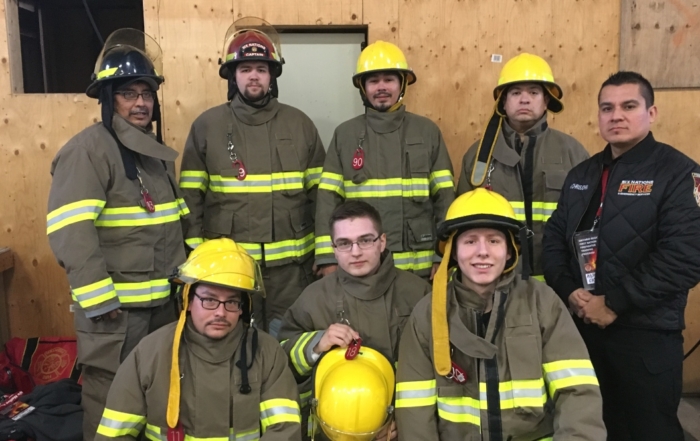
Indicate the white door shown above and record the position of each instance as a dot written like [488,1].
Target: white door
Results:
[317,77]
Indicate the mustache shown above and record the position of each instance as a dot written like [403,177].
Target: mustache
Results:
[222,321]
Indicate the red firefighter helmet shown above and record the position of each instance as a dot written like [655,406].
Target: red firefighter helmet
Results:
[251,39]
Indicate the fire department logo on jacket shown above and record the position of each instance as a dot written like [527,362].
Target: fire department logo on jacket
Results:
[696,187]
[635,188]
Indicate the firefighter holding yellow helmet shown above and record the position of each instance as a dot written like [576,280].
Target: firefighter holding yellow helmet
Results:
[519,155]
[212,374]
[390,158]
[490,354]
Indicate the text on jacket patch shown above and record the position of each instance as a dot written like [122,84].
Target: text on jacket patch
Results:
[579,187]
[635,188]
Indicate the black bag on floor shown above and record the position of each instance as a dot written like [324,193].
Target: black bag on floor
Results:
[57,415]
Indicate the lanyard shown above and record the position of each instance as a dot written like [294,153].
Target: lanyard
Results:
[604,186]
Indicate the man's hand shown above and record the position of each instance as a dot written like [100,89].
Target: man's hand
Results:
[578,299]
[337,334]
[596,312]
[325,270]
[389,430]
[111,315]
[434,269]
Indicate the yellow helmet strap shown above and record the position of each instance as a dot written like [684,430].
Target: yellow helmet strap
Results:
[172,413]
[440,328]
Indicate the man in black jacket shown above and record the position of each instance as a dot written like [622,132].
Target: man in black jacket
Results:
[622,251]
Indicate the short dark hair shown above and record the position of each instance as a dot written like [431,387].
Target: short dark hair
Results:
[629,77]
[353,210]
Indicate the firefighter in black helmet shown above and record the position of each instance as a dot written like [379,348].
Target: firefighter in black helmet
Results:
[114,216]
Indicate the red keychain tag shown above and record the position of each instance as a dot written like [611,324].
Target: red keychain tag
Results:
[242,172]
[358,160]
[353,349]
[457,374]
[176,434]
[147,202]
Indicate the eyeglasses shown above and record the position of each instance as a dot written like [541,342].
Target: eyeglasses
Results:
[213,304]
[132,95]
[346,245]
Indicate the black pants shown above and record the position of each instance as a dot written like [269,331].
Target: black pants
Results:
[640,374]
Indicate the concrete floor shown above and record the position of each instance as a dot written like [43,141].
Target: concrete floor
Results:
[689,414]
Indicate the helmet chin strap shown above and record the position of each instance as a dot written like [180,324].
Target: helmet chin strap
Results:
[368,104]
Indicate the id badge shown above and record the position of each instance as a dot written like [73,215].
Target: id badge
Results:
[586,243]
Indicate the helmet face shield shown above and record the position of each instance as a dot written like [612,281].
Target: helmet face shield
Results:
[251,39]
[128,53]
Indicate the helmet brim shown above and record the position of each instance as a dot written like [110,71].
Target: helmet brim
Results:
[551,89]
[410,76]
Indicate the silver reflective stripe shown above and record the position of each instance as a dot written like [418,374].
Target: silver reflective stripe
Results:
[96,293]
[461,409]
[73,212]
[412,259]
[241,184]
[373,188]
[134,216]
[152,434]
[441,179]
[479,173]
[195,179]
[142,291]
[332,182]
[288,180]
[413,394]
[120,425]
[570,372]
[252,436]
[278,410]
[515,394]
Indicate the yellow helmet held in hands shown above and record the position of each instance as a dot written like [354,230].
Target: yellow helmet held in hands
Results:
[352,398]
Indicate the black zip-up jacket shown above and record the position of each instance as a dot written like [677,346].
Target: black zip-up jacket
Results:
[649,233]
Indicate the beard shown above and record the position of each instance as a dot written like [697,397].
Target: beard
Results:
[250,96]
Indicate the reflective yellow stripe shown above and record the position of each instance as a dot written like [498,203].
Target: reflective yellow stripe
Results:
[138,216]
[540,278]
[304,398]
[568,373]
[297,353]
[155,433]
[86,209]
[441,179]
[114,424]
[135,292]
[106,73]
[416,393]
[332,182]
[279,410]
[139,292]
[414,260]
[194,179]
[193,242]
[95,293]
[254,249]
[289,248]
[541,211]
[517,393]
[184,210]
[324,245]
[459,410]
[258,183]
[384,188]
[312,176]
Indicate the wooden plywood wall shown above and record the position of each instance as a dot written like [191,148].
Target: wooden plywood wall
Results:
[448,43]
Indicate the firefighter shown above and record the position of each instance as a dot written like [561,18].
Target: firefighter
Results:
[395,160]
[211,375]
[489,354]
[114,216]
[519,155]
[367,297]
[251,167]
